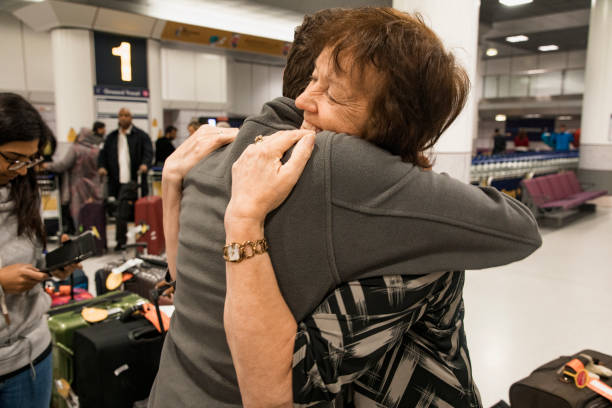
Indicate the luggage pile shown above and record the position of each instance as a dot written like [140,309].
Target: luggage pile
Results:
[106,350]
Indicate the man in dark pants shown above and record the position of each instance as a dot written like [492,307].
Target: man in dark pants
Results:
[126,155]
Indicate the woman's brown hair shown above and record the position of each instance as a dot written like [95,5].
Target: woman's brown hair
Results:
[422,87]
[20,121]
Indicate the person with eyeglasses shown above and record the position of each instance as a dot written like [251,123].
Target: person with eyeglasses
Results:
[25,340]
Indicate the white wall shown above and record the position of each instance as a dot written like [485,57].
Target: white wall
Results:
[252,85]
[27,62]
[192,79]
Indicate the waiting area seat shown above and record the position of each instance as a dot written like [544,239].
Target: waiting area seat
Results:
[558,196]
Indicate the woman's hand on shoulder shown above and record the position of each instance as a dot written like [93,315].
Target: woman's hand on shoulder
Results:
[197,146]
[18,278]
[260,181]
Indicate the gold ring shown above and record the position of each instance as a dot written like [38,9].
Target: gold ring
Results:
[259,139]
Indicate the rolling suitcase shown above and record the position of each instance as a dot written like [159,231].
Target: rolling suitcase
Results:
[148,211]
[116,361]
[549,387]
[93,217]
[143,279]
[65,319]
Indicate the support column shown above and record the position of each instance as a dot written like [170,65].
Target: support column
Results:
[156,112]
[596,133]
[73,79]
[456,23]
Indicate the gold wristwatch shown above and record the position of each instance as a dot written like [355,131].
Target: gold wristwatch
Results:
[236,252]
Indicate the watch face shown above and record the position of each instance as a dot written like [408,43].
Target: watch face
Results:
[233,252]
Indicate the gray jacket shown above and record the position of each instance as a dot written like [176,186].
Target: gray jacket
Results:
[357,211]
[28,334]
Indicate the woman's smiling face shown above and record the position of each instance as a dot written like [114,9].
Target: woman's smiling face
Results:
[338,101]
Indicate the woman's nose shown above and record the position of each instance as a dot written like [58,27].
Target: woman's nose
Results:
[306,102]
[22,171]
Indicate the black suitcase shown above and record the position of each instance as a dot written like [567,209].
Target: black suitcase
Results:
[92,215]
[544,388]
[115,363]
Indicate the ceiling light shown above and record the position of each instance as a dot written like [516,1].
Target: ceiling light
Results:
[517,38]
[491,52]
[551,47]
[535,71]
[564,117]
[533,115]
[500,118]
[512,3]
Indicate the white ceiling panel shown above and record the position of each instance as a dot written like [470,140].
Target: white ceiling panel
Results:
[124,23]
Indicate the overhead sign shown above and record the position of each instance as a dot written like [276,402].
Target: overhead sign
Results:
[120,60]
[224,39]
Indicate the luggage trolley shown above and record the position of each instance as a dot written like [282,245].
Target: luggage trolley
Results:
[154,178]
[51,203]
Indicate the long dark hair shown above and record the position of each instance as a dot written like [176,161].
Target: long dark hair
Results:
[20,121]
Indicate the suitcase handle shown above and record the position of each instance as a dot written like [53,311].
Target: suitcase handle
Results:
[144,335]
[69,354]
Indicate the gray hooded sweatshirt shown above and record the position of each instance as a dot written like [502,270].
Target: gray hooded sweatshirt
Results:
[356,212]
[27,335]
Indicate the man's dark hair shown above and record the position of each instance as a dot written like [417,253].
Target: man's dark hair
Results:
[97,125]
[20,121]
[306,47]
[169,129]
[422,88]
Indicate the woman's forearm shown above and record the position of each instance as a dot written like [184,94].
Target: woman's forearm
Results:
[259,326]
[171,204]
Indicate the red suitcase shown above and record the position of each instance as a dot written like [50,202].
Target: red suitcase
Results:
[148,211]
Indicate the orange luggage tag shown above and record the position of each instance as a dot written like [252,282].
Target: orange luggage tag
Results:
[94,314]
[575,369]
[151,315]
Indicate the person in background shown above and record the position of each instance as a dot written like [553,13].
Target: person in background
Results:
[164,146]
[223,124]
[126,156]
[25,340]
[99,129]
[81,165]
[499,142]
[560,140]
[576,141]
[521,141]
[193,126]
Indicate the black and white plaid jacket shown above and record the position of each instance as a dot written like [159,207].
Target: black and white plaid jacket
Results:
[393,341]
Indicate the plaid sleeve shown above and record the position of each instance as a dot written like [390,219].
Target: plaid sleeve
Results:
[351,330]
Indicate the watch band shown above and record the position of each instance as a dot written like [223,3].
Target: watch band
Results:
[237,252]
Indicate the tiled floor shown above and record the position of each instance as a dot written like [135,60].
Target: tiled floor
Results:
[556,302]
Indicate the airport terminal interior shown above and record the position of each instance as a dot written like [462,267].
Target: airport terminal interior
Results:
[536,126]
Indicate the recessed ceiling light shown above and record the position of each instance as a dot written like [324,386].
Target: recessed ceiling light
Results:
[500,118]
[533,115]
[535,71]
[517,38]
[491,52]
[551,47]
[564,117]
[512,3]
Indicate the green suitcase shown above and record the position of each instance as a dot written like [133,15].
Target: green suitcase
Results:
[65,319]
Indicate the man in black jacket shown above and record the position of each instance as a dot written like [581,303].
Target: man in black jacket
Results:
[164,146]
[126,154]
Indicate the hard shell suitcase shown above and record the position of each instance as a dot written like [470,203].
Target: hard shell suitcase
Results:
[543,388]
[148,211]
[116,362]
[61,293]
[64,320]
[93,217]
[79,277]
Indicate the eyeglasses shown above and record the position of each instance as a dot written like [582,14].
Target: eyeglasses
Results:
[15,165]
